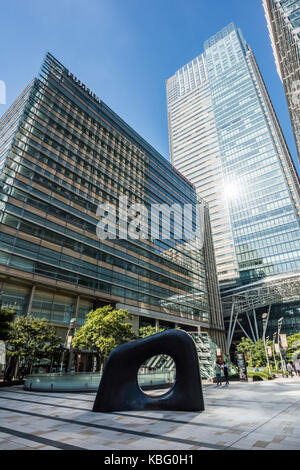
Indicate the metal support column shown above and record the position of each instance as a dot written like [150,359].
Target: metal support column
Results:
[31,296]
[232,332]
[283,364]
[255,323]
[229,327]
[250,324]
[274,339]
[243,329]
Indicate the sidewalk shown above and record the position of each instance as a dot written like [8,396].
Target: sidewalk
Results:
[243,415]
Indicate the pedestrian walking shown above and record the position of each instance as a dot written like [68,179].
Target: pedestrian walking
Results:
[218,374]
[226,373]
[290,369]
[297,368]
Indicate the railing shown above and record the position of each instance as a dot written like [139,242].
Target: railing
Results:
[89,382]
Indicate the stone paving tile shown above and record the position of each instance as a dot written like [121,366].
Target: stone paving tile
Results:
[10,445]
[24,442]
[295,442]
[128,441]
[262,444]
[47,448]
[4,435]
[253,416]
[28,448]
[278,439]
[285,446]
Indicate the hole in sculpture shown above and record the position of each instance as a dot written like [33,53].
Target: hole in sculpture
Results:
[157,375]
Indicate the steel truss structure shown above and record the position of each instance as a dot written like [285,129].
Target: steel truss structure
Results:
[264,293]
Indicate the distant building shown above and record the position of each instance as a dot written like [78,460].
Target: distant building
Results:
[283,18]
[225,137]
[62,152]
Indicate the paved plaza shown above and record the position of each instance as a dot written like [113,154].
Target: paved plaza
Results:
[254,415]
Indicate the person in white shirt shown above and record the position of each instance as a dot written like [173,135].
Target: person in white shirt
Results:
[218,374]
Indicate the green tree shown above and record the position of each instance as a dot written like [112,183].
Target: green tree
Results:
[293,346]
[149,330]
[259,354]
[104,329]
[255,352]
[6,318]
[247,346]
[31,338]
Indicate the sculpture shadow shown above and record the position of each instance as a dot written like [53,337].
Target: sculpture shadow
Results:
[119,389]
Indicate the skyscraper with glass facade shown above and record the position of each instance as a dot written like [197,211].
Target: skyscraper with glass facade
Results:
[62,152]
[283,18]
[225,137]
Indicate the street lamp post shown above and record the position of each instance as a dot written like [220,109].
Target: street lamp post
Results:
[71,352]
[264,320]
[274,339]
[71,326]
[283,366]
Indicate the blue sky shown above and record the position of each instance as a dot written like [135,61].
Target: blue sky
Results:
[124,50]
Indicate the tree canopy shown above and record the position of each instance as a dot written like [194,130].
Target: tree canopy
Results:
[104,329]
[6,319]
[293,346]
[32,338]
[247,346]
[254,352]
[149,330]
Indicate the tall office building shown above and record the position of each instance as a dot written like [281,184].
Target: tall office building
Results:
[63,152]
[225,137]
[283,18]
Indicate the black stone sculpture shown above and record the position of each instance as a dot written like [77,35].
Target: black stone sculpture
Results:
[119,389]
